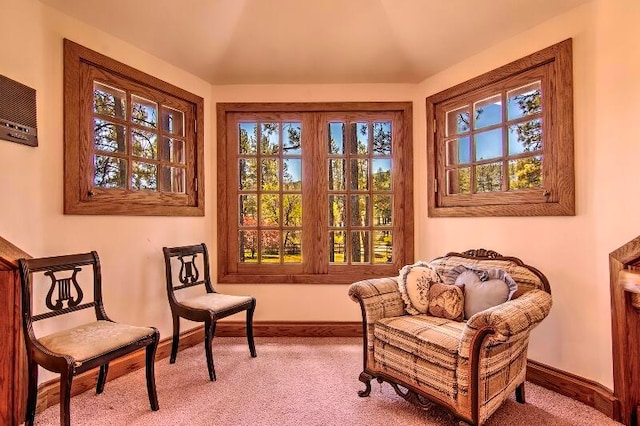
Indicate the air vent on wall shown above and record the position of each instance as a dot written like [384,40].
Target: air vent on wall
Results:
[17,112]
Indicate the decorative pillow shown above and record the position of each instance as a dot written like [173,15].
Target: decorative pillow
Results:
[414,282]
[483,289]
[446,301]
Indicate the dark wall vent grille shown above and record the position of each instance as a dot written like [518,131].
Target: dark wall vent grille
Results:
[18,122]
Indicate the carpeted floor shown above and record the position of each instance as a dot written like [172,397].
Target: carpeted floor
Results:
[293,381]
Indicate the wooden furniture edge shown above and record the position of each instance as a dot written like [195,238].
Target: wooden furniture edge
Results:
[583,390]
[575,387]
[9,255]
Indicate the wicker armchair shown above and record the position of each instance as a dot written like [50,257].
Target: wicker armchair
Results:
[469,367]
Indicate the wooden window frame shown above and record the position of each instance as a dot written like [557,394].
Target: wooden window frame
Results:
[80,195]
[557,197]
[315,268]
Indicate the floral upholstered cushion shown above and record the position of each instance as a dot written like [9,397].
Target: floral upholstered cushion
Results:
[483,289]
[446,301]
[414,283]
[88,341]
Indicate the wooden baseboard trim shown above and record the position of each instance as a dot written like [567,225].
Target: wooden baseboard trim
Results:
[584,390]
[291,329]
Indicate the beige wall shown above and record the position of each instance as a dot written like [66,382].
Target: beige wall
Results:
[31,179]
[572,251]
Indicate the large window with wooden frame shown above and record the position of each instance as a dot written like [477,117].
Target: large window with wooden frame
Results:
[313,193]
[501,144]
[133,143]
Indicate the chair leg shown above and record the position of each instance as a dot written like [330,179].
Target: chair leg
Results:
[210,329]
[102,378]
[151,378]
[32,393]
[520,396]
[66,378]
[176,339]
[252,345]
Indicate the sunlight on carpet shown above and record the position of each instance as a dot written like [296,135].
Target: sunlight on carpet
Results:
[293,381]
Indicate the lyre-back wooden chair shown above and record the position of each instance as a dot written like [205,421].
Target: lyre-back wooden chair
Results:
[207,308]
[75,350]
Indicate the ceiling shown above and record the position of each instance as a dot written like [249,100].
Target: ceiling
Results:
[313,41]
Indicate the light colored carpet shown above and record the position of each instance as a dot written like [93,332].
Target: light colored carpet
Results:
[293,381]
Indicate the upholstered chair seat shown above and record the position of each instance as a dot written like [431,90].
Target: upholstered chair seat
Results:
[91,340]
[216,302]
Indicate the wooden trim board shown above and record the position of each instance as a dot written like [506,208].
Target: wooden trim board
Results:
[583,390]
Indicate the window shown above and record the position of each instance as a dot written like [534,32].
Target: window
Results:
[133,143]
[314,193]
[502,144]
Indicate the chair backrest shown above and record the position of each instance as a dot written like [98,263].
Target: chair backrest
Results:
[65,293]
[189,275]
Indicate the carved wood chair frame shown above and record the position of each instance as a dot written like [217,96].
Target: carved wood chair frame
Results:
[190,276]
[37,354]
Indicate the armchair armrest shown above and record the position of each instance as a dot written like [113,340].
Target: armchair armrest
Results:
[508,321]
[378,297]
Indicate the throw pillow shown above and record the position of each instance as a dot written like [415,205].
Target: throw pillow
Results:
[414,283]
[483,289]
[446,301]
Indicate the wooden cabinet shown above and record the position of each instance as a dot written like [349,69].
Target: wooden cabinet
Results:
[12,356]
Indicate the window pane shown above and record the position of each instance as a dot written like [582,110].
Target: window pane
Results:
[489,177]
[270,138]
[381,174]
[458,181]
[360,210]
[144,176]
[382,138]
[359,138]
[292,210]
[382,247]
[487,112]
[360,246]
[291,139]
[172,121]
[270,209]
[248,174]
[336,138]
[337,174]
[525,100]
[248,137]
[270,252]
[109,101]
[292,174]
[145,112]
[458,121]
[337,210]
[488,144]
[248,246]
[337,247]
[360,175]
[382,210]
[172,179]
[144,144]
[109,172]
[525,173]
[525,137]
[270,175]
[248,210]
[459,151]
[109,137]
[292,247]
[172,150]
